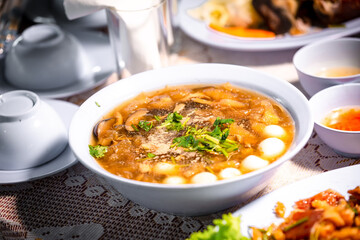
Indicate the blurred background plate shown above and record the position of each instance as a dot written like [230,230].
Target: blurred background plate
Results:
[199,31]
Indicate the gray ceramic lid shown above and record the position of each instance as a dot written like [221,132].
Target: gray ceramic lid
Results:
[42,35]
[17,105]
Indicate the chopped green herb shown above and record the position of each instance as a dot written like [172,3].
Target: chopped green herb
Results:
[145,125]
[203,140]
[97,104]
[221,122]
[151,155]
[134,127]
[173,122]
[187,141]
[226,228]
[297,223]
[97,151]
[157,118]
[355,211]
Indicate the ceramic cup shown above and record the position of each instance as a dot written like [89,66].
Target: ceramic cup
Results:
[345,143]
[45,57]
[313,58]
[31,132]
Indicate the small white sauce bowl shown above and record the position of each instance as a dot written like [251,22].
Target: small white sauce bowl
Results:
[31,132]
[311,59]
[190,199]
[346,143]
[45,57]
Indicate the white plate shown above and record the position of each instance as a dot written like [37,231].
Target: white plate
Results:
[201,32]
[66,159]
[97,47]
[260,212]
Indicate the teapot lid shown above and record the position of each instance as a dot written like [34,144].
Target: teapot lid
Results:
[17,105]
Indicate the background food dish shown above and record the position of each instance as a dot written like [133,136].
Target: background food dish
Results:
[64,160]
[201,32]
[260,212]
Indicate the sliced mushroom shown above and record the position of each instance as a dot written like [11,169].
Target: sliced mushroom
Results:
[99,127]
[119,119]
[134,119]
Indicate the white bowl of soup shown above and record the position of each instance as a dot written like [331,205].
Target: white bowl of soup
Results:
[328,63]
[336,112]
[194,139]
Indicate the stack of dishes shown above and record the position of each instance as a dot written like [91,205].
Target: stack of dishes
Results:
[46,62]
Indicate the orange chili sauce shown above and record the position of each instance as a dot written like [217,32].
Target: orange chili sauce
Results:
[344,118]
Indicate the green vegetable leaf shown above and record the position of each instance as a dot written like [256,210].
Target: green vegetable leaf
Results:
[173,122]
[145,125]
[151,155]
[187,141]
[134,127]
[221,122]
[203,140]
[98,151]
[227,228]
[217,133]
[295,224]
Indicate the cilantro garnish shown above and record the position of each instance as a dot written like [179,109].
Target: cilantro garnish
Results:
[226,228]
[97,151]
[145,125]
[134,127]
[173,122]
[210,141]
[221,122]
[148,156]
[157,118]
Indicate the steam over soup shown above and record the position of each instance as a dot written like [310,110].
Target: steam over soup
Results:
[192,134]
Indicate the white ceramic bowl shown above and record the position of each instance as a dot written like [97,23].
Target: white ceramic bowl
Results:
[45,57]
[346,143]
[31,132]
[192,199]
[311,59]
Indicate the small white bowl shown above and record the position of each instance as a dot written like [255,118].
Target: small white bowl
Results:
[311,59]
[31,132]
[189,199]
[45,57]
[346,143]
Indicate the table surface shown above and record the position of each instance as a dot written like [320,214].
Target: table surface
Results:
[76,204]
